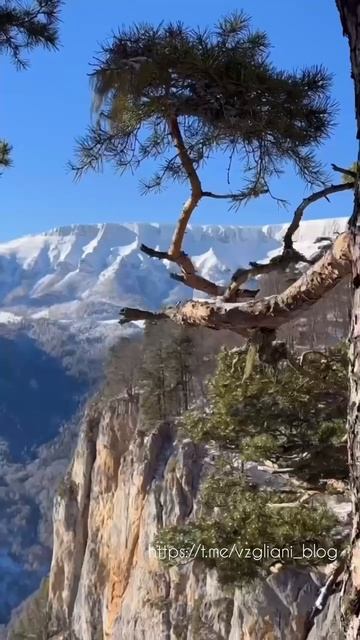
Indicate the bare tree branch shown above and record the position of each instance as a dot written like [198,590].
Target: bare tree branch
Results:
[195,184]
[189,276]
[233,292]
[277,263]
[276,470]
[291,505]
[345,172]
[299,212]
[289,255]
[267,313]
[199,283]
[131,315]
[175,254]
[153,253]
[236,197]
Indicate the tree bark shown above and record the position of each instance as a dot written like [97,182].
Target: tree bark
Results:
[267,313]
[350,18]
[196,189]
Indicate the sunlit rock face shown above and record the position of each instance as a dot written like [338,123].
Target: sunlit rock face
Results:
[106,584]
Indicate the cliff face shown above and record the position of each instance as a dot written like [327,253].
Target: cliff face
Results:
[105,585]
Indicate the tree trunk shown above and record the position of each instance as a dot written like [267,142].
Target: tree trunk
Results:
[351,590]
[266,313]
[350,18]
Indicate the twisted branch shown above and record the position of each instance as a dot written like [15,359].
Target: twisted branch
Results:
[195,185]
[299,211]
[289,255]
[268,313]
[234,291]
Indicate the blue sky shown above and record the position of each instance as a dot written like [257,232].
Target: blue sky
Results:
[43,109]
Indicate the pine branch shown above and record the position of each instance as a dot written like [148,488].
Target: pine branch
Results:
[130,315]
[267,313]
[289,255]
[346,172]
[5,154]
[22,27]
[306,497]
[223,92]
[299,212]
[195,185]
[239,197]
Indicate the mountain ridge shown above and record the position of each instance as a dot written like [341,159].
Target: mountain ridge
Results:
[89,271]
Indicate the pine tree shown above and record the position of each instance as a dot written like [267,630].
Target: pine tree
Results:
[236,515]
[213,88]
[292,414]
[273,417]
[167,372]
[122,369]
[24,27]
[161,77]
[154,400]
[181,364]
[176,96]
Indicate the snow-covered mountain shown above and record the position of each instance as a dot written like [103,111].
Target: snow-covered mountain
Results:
[89,271]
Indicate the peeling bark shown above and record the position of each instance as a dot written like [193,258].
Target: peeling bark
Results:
[267,313]
[350,17]
[351,589]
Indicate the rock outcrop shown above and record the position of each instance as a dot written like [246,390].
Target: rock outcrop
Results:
[107,584]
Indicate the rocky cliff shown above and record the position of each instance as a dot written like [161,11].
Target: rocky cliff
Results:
[105,584]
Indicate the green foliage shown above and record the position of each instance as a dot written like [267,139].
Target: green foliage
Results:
[237,516]
[159,366]
[23,27]
[167,371]
[122,370]
[166,365]
[26,26]
[292,415]
[5,154]
[225,94]
[33,621]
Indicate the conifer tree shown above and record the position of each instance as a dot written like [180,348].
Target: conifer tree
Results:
[23,27]
[122,368]
[167,372]
[154,398]
[291,419]
[292,414]
[177,96]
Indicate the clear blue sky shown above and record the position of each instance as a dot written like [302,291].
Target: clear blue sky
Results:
[43,109]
